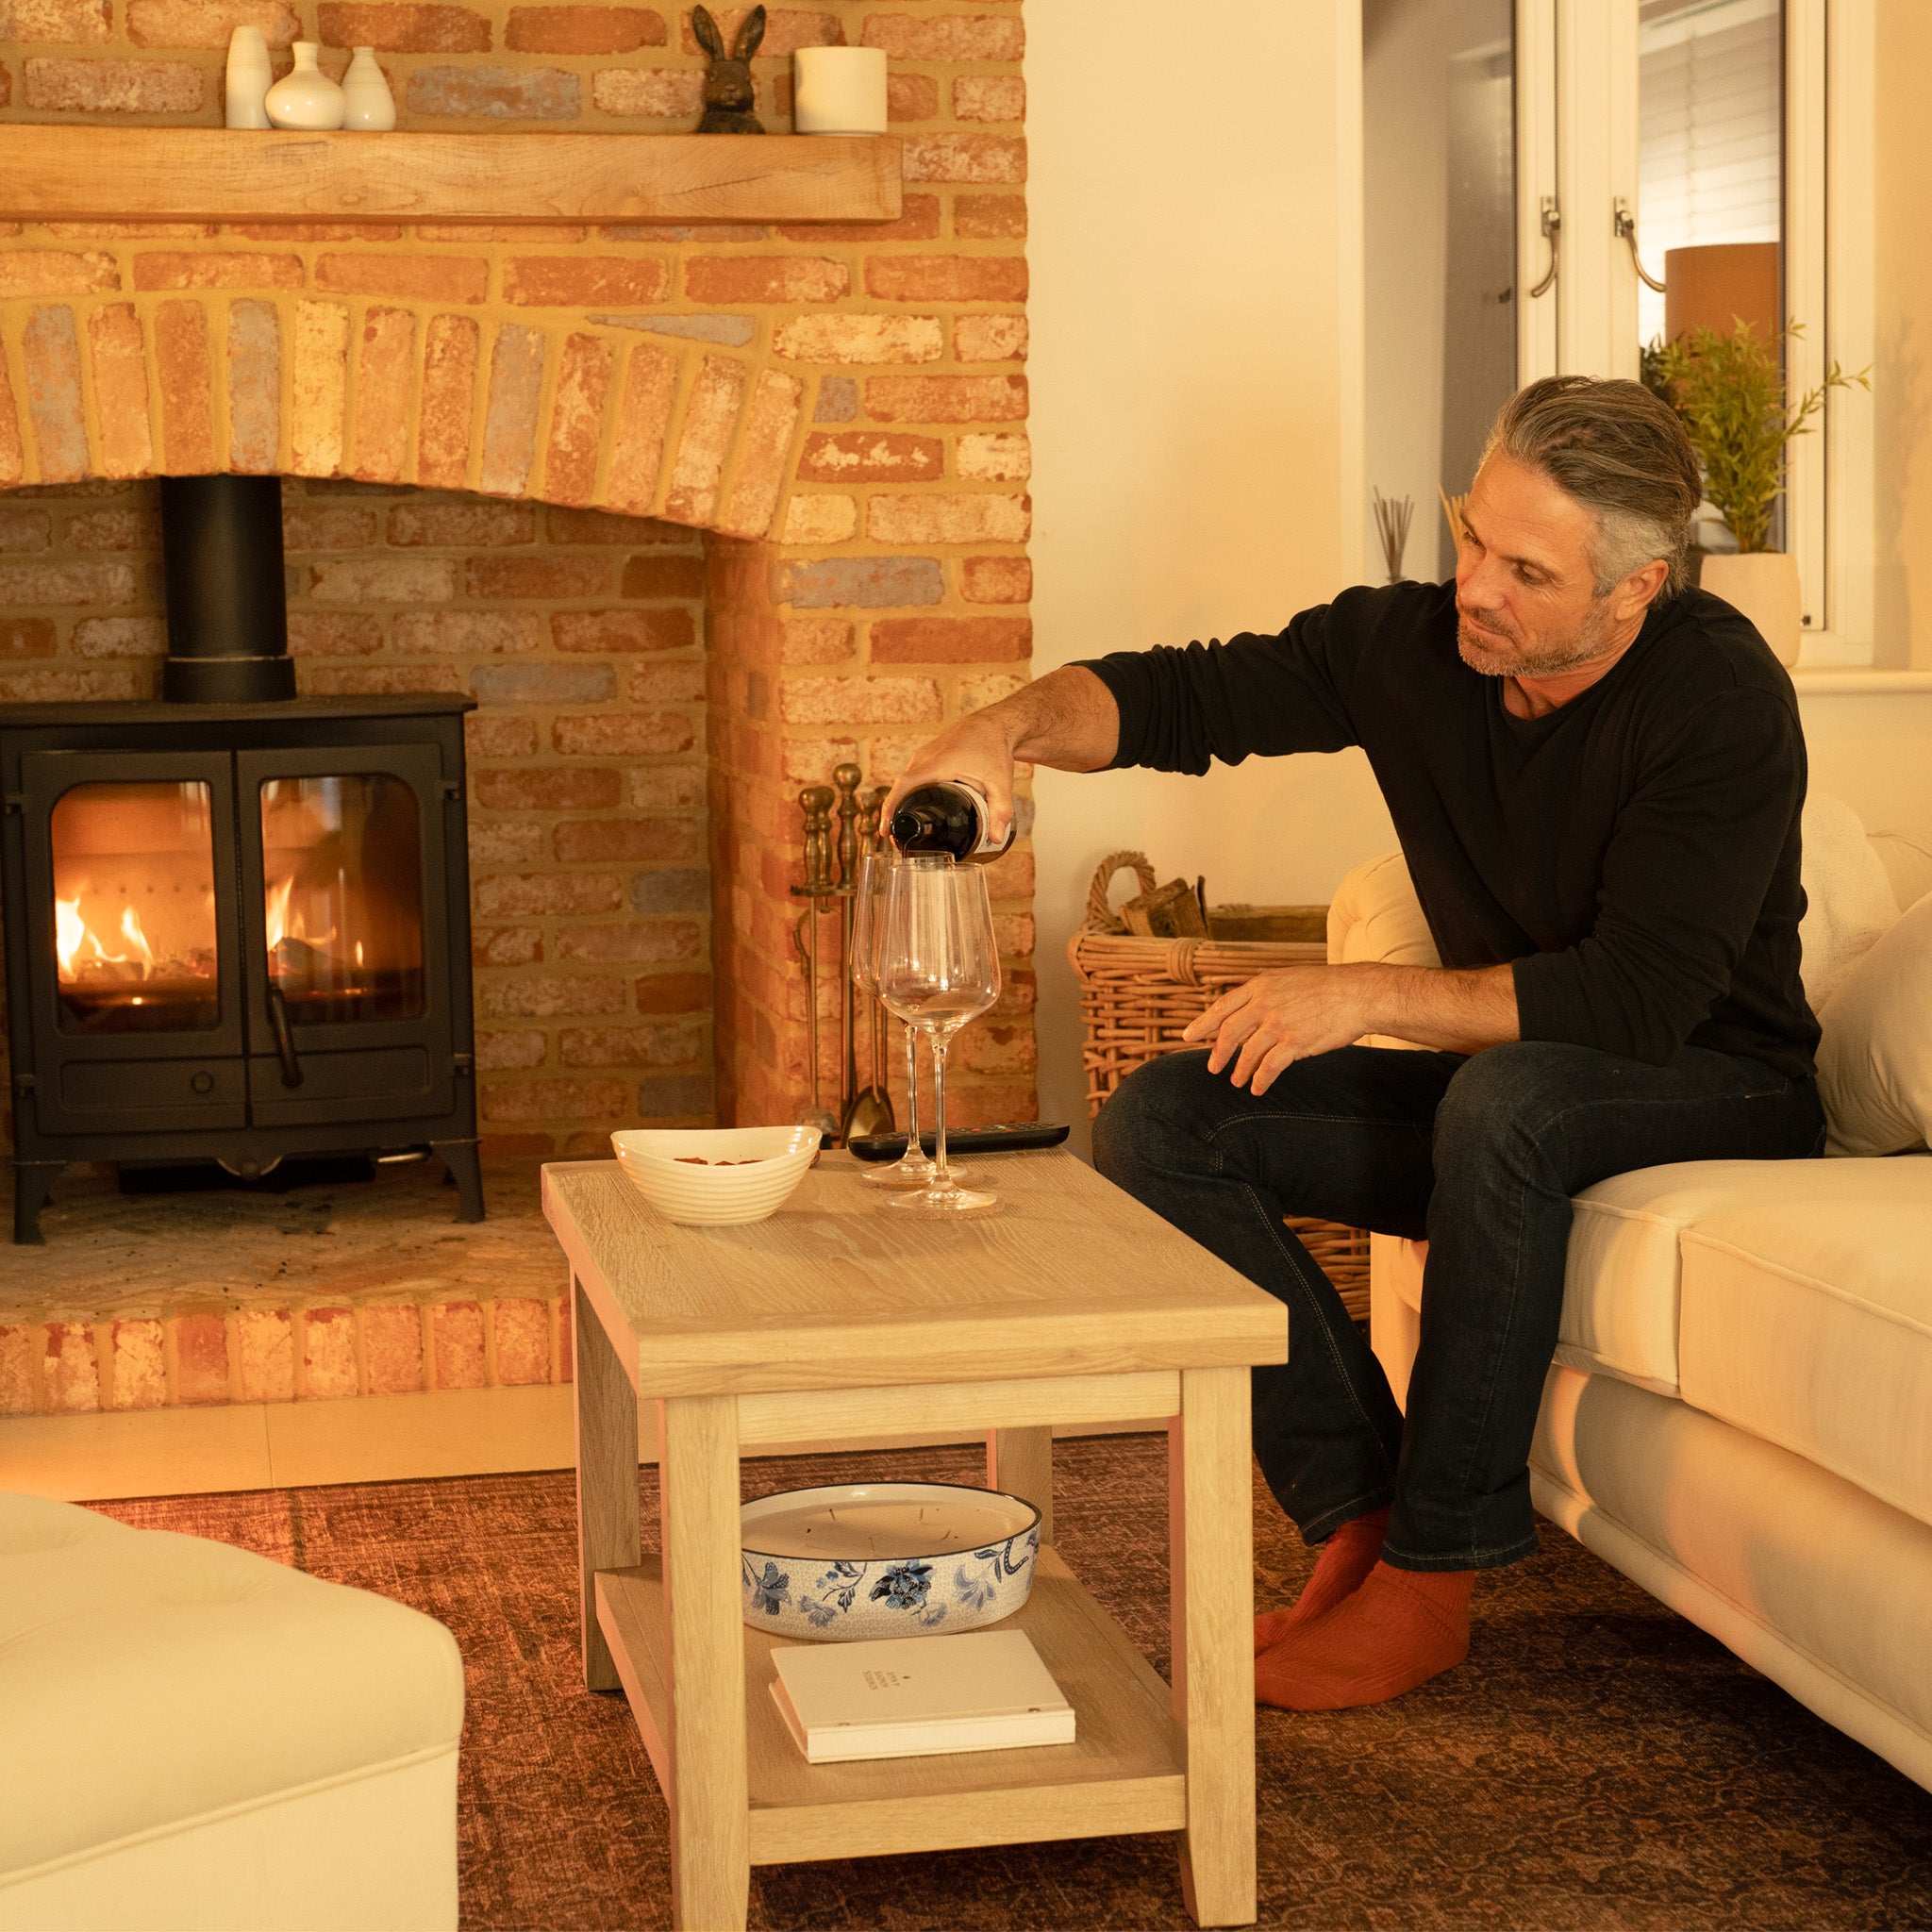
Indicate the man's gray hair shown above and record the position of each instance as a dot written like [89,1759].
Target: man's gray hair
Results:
[1622,453]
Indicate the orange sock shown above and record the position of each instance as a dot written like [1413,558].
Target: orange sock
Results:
[1401,1628]
[1346,1557]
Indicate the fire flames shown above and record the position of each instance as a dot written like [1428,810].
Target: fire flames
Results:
[275,911]
[82,952]
[282,916]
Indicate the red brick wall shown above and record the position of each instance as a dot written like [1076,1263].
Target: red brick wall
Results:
[850,397]
[580,634]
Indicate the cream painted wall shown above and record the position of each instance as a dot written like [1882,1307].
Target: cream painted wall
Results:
[1197,418]
[1195,373]
[1902,375]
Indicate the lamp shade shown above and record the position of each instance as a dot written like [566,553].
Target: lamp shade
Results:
[1720,284]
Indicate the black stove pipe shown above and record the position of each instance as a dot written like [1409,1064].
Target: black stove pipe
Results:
[227,605]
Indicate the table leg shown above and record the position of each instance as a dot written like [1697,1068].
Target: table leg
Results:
[703,1612]
[606,1416]
[1020,1461]
[1212,1535]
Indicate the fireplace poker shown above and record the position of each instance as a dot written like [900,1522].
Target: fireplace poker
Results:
[846,779]
[816,801]
[870,1111]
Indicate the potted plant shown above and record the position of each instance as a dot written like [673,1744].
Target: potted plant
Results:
[1730,391]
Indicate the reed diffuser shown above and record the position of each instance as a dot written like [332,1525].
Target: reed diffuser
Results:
[1393,516]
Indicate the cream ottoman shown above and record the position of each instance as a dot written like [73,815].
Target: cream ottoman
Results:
[192,1736]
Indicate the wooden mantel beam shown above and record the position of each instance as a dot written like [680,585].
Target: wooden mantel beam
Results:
[57,172]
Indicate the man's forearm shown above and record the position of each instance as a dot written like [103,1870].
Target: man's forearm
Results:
[1067,720]
[1458,1010]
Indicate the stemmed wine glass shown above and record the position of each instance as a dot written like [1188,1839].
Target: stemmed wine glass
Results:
[938,968]
[914,1168]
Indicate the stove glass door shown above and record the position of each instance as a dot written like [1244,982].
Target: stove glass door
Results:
[343,897]
[134,908]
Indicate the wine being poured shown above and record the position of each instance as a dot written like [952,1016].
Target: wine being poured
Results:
[949,816]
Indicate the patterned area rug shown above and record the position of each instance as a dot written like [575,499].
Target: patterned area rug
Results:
[1597,1762]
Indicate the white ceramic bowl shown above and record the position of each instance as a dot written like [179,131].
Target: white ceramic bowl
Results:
[768,1163]
[945,1559]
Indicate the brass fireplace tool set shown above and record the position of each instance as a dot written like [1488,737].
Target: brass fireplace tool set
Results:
[832,860]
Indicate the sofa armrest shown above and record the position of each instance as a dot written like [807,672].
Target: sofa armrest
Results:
[1376,919]
[1376,916]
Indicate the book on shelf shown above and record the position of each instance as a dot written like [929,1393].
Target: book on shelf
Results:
[917,1697]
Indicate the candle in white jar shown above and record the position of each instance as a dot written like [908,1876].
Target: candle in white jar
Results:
[838,90]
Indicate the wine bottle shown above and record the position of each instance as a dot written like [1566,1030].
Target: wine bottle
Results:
[949,816]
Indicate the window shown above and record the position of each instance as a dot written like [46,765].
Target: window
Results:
[1669,125]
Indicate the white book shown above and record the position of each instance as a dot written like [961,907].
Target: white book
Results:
[919,1696]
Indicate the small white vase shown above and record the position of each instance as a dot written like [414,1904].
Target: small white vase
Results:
[306,98]
[368,104]
[250,76]
[1761,585]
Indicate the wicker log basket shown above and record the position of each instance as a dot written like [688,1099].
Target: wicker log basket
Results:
[1136,996]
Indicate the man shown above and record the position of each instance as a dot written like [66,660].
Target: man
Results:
[1596,776]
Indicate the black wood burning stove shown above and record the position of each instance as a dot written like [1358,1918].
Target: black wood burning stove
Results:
[237,921]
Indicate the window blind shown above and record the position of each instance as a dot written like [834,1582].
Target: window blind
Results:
[1710,131]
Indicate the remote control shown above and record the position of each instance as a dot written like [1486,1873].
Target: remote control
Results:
[1000,1140]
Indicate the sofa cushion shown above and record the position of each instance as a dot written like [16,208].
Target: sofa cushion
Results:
[1875,1062]
[1907,863]
[1810,1323]
[148,1680]
[1848,896]
[1622,1287]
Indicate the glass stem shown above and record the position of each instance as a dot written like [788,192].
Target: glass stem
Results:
[941,1178]
[913,1150]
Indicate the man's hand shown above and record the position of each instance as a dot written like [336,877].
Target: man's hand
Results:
[1067,720]
[1278,1018]
[1275,1018]
[978,749]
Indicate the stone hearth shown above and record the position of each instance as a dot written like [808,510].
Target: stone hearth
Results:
[326,1291]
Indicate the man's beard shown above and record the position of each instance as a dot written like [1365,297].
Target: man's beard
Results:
[1548,660]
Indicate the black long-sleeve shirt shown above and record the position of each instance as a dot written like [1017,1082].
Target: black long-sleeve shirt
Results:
[1633,856]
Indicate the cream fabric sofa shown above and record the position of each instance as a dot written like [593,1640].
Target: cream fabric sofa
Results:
[192,1736]
[1739,1413]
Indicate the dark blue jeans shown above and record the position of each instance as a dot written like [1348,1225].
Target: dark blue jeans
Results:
[1480,1154]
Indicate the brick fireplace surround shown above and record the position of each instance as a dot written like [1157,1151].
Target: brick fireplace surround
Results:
[695,512]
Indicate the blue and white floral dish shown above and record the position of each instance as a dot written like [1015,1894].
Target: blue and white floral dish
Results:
[858,1560]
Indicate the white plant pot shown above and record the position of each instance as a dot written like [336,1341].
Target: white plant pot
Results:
[368,104]
[249,79]
[306,98]
[1761,585]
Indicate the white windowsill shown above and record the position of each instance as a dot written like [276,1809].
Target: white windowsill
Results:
[1859,683]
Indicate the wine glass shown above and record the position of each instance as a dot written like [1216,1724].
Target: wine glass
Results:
[914,1168]
[938,968]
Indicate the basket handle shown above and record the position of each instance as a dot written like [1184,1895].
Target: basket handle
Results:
[1100,915]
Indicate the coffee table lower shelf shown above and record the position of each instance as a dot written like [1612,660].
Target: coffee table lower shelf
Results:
[1125,1772]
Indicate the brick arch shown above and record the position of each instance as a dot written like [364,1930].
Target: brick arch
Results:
[266,381]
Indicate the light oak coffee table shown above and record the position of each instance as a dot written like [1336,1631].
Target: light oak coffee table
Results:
[836,1319]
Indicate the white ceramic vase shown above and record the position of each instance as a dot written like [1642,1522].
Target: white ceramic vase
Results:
[1763,586]
[249,79]
[306,97]
[367,103]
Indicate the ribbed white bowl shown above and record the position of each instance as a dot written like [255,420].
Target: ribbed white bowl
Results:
[715,1196]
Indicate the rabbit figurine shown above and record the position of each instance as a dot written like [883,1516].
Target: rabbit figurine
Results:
[728,81]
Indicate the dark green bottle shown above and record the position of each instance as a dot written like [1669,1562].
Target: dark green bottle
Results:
[950,816]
